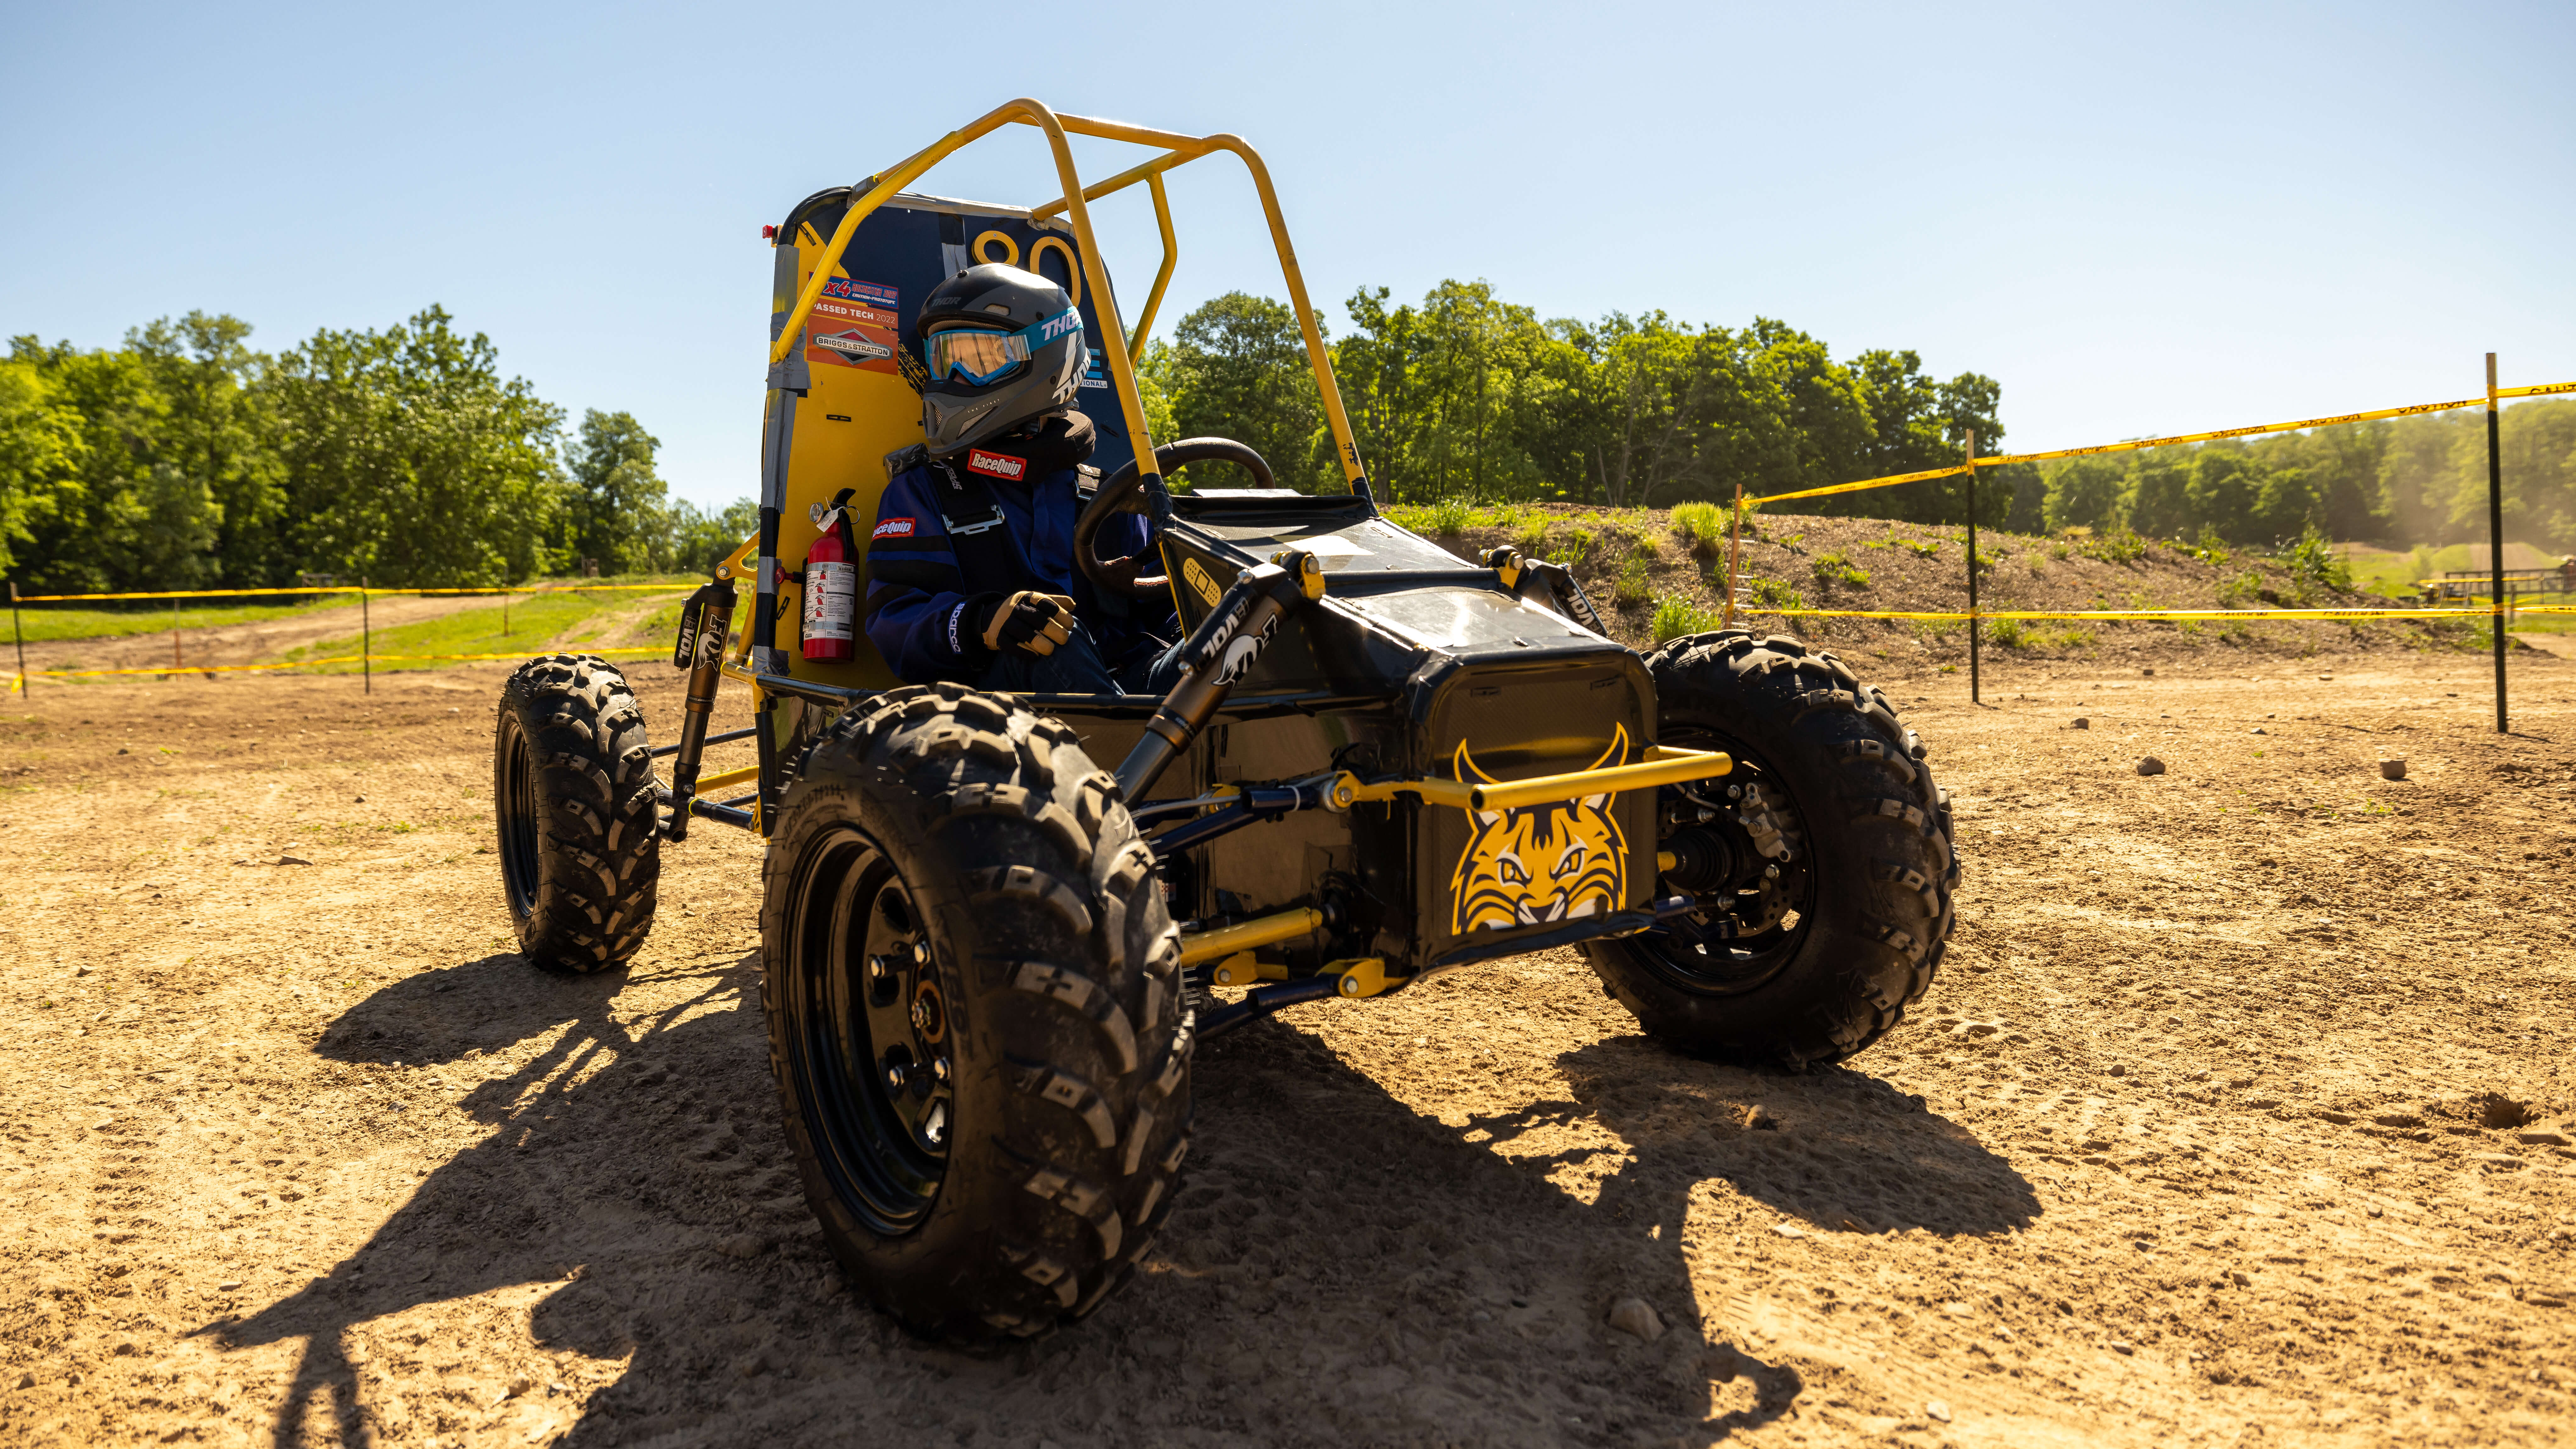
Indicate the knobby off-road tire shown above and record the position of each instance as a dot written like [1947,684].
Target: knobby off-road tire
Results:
[572,793]
[973,994]
[1864,822]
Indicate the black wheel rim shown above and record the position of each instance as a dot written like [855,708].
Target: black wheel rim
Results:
[518,810]
[1750,924]
[867,1031]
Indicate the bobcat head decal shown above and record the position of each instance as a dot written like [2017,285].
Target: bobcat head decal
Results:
[1554,862]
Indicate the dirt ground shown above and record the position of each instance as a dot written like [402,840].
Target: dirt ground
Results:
[2239,1114]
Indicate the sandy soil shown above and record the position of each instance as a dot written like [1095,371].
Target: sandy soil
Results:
[2237,1116]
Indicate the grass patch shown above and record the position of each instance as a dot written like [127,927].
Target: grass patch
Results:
[535,624]
[1702,526]
[2010,633]
[1774,594]
[2122,547]
[47,622]
[1834,568]
[1633,587]
[1676,617]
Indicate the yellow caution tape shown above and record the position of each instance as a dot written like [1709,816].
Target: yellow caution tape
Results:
[15,678]
[1888,482]
[371,593]
[2318,615]
[2000,459]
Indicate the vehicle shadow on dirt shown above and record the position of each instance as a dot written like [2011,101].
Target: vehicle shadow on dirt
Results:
[1437,1276]
[610,1142]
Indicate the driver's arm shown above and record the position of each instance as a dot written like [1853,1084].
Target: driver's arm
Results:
[916,594]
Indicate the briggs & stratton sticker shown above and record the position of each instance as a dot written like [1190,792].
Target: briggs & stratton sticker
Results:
[855,324]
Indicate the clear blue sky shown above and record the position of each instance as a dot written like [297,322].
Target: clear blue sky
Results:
[2140,218]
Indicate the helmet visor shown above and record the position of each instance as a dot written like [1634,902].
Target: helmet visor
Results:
[980,357]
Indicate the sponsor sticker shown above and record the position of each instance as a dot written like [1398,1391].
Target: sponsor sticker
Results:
[855,324]
[893,528]
[998,465]
[1198,580]
[1097,374]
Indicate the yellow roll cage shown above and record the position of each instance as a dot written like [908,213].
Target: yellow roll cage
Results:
[1075,202]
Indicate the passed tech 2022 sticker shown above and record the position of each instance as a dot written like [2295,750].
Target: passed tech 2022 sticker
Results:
[855,324]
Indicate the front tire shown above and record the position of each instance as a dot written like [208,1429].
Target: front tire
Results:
[572,795]
[975,1019]
[1823,862]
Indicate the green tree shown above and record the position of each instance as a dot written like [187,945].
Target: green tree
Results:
[2083,493]
[215,451]
[1236,368]
[410,460]
[700,540]
[41,453]
[614,508]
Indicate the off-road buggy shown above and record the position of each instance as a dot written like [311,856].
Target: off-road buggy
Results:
[995,927]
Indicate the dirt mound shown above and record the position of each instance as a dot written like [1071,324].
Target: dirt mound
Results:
[1631,560]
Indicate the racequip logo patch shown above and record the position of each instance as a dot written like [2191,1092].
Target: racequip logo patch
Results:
[1000,465]
[1563,860]
[893,528]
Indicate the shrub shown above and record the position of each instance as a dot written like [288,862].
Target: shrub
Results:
[1578,542]
[1633,587]
[2211,549]
[1676,617]
[1449,517]
[2121,547]
[2313,560]
[1700,525]
[1773,594]
[2007,632]
[1923,547]
[2060,552]
[2241,591]
[1833,568]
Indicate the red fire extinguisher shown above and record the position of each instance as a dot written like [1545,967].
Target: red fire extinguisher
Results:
[832,586]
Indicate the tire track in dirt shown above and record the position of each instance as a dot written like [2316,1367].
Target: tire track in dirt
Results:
[532,1207]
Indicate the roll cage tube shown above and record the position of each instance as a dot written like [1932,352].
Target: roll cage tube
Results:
[1075,203]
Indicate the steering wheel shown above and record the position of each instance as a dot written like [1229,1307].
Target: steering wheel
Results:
[1124,493]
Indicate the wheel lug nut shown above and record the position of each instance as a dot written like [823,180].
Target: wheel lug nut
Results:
[879,968]
[895,1075]
[920,953]
[939,1068]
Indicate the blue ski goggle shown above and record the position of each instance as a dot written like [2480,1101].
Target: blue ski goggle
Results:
[982,357]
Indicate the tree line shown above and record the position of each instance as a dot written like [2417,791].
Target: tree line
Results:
[186,459]
[1468,396]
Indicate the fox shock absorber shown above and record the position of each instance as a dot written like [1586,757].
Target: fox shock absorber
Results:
[1219,652]
[705,620]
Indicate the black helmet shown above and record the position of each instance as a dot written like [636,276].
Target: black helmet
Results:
[994,347]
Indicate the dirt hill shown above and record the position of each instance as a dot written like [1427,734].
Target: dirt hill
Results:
[1635,561]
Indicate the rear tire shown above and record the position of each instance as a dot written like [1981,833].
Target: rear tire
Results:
[973,996]
[1856,831]
[572,795]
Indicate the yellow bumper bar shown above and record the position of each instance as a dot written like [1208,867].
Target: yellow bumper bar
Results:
[1662,766]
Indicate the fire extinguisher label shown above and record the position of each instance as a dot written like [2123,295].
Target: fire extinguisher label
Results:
[831,600]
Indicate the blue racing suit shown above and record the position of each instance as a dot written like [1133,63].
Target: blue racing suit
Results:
[946,538]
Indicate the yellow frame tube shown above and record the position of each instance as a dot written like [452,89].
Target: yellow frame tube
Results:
[1075,202]
[1163,277]
[1260,931]
[1662,766]
[709,783]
